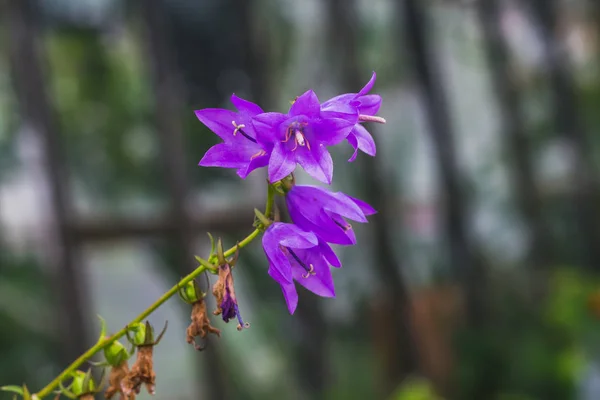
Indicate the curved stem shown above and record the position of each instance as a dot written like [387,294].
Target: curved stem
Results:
[102,343]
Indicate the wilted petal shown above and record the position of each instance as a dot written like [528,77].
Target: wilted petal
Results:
[307,104]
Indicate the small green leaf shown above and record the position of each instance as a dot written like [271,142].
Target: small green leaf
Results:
[102,329]
[13,389]
[212,243]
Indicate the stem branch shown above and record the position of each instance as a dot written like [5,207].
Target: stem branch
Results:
[102,342]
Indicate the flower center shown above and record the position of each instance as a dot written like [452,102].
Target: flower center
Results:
[310,269]
[239,128]
[296,131]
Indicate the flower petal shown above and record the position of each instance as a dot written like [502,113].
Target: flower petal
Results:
[369,104]
[336,202]
[329,254]
[316,162]
[354,143]
[227,155]
[289,235]
[321,283]
[365,208]
[331,131]
[255,163]
[306,104]
[367,88]
[281,163]
[364,140]
[267,127]
[288,288]
[218,120]
[245,106]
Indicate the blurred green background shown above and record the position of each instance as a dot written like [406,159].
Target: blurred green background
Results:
[478,279]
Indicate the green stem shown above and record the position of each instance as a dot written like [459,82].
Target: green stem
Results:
[102,343]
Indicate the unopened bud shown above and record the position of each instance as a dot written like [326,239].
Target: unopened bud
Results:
[116,353]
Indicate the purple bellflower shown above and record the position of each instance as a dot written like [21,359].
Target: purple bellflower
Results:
[297,255]
[367,106]
[318,210]
[300,136]
[240,148]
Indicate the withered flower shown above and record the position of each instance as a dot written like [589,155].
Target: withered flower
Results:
[117,374]
[142,371]
[224,293]
[200,325]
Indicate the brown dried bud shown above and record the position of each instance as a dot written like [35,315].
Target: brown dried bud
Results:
[200,325]
[117,374]
[87,396]
[142,371]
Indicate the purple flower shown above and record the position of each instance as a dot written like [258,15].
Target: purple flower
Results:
[367,106]
[300,136]
[240,148]
[320,211]
[296,255]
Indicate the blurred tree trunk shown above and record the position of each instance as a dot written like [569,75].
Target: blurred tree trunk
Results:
[569,124]
[512,126]
[27,65]
[467,266]
[256,51]
[168,112]
[401,358]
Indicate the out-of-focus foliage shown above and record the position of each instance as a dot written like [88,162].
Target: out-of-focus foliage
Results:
[28,334]
[529,353]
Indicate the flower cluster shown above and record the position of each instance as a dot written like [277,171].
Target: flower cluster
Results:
[252,138]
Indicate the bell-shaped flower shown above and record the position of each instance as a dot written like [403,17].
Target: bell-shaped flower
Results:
[320,211]
[301,137]
[367,106]
[240,148]
[297,255]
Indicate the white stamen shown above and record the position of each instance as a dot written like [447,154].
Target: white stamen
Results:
[299,138]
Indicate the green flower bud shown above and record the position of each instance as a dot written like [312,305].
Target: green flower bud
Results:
[83,383]
[116,353]
[139,333]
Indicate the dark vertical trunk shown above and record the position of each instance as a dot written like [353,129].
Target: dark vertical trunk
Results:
[565,109]
[28,74]
[514,133]
[404,360]
[255,54]
[467,266]
[168,112]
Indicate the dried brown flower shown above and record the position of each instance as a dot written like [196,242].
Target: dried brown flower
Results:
[142,371]
[117,375]
[200,325]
